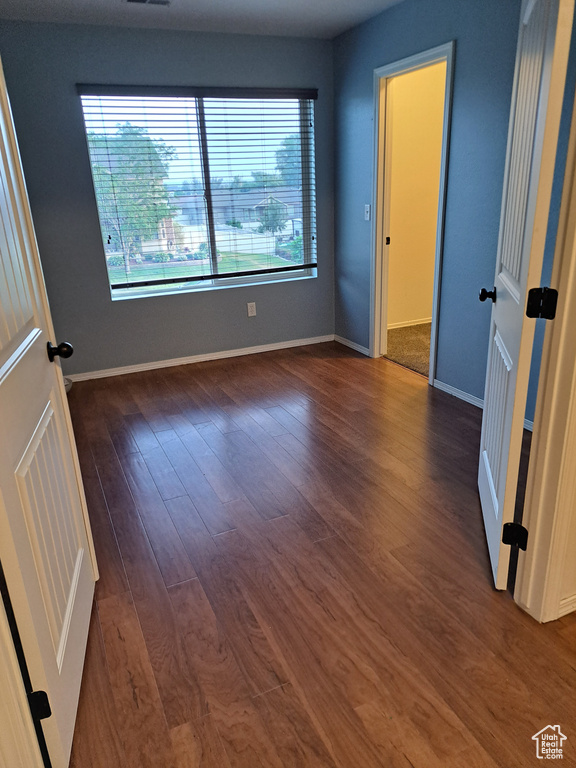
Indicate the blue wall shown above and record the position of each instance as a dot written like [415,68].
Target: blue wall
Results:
[42,64]
[485,34]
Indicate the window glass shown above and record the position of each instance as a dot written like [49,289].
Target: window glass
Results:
[202,191]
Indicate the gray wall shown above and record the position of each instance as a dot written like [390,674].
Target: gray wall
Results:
[485,34]
[42,64]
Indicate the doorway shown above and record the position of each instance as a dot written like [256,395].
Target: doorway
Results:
[412,105]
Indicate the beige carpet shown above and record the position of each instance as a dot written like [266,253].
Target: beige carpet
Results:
[410,347]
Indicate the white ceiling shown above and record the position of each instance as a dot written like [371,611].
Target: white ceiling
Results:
[300,18]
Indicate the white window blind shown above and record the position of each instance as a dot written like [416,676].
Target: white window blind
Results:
[202,186]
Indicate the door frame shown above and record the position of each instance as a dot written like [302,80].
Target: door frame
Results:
[381,197]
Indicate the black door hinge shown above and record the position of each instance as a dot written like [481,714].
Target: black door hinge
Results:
[515,534]
[542,303]
[39,705]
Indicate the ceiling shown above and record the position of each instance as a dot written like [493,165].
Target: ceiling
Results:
[300,18]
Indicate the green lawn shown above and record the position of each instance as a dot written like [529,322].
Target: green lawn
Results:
[231,262]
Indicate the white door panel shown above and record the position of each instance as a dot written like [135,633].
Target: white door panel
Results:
[45,544]
[534,122]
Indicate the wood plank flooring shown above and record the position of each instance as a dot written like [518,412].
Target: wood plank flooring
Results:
[294,573]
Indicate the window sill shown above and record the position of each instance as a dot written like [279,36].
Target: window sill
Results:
[170,290]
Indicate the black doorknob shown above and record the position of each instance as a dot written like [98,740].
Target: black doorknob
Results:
[64,349]
[484,294]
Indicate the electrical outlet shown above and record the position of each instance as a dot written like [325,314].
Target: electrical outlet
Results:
[251,308]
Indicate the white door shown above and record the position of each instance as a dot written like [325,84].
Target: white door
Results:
[45,544]
[539,79]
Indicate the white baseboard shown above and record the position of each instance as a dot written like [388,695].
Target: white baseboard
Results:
[102,374]
[567,605]
[529,425]
[408,323]
[352,345]
[459,393]
[197,358]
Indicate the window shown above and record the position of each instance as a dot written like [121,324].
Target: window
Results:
[202,187]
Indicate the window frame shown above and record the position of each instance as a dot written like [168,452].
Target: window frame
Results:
[158,287]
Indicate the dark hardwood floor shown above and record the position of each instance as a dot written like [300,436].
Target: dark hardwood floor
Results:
[294,573]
